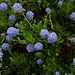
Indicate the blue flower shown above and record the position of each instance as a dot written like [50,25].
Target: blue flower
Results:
[30,15]
[18,8]
[72,39]
[30,48]
[3,35]
[39,61]
[25,19]
[12,31]
[74,61]
[7,0]
[9,38]
[1,55]
[70,0]
[0,64]
[60,3]
[57,73]
[5,46]
[3,6]
[44,33]
[48,10]
[12,17]
[38,46]
[52,37]
[72,16]
[20,0]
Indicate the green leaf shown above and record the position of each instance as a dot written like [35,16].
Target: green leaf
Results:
[11,59]
[22,41]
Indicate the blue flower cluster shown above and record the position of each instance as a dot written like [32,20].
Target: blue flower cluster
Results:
[12,31]
[3,35]
[48,10]
[52,37]
[39,61]
[7,0]
[38,46]
[18,8]
[0,64]
[72,16]
[74,61]
[44,33]
[30,15]
[5,46]
[59,3]
[12,17]
[57,73]
[70,0]
[3,6]
[30,48]
[20,0]
[72,39]
[1,55]
[9,38]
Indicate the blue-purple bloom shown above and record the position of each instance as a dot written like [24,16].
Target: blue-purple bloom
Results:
[72,16]
[38,46]
[72,39]
[30,15]
[0,64]
[52,37]
[3,35]
[48,10]
[12,17]
[30,48]
[57,73]
[12,31]
[60,3]
[7,0]
[3,6]
[9,38]
[44,33]
[70,0]
[18,8]
[5,46]
[74,61]
[1,55]
[39,61]
[20,0]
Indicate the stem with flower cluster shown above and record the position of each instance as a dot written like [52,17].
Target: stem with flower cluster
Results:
[28,21]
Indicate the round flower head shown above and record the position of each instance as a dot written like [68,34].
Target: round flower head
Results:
[3,35]
[7,0]
[38,46]
[30,48]
[39,61]
[1,55]
[5,46]
[30,15]
[0,64]
[3,6]
[70,0]
[20,0]
[44,33]
[17,7]
[12,31]
[48,10]
[12,17]
[74,61]
[39,1]
[60,3]
[9,38]
[52,37]
[57,73]
[72,39]
[16,25]
[72,16]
